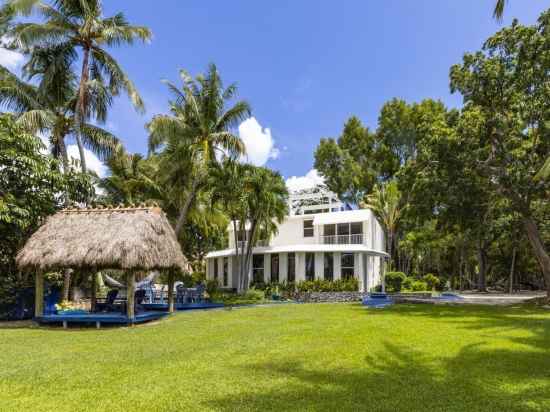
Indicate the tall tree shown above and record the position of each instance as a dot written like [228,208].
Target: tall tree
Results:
[255,199]
[506,95]
[47,108]
[197,133]
[72,25]
[386,203]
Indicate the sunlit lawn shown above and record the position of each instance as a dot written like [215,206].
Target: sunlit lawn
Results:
[287,357]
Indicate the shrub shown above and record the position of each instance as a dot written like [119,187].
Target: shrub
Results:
[431,280]
[212,287]
[394,281]
[419,286]
[407,283]
[321,285]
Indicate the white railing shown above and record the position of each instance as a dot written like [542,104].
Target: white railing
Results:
[259,243]
[342,239]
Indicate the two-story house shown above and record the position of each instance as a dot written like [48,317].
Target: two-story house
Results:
[318,240]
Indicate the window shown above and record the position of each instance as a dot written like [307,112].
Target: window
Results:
[356,228]
[343,229]
[225,271]
[310,266]
[308,228]
[329,266]
[330,230]
[215,268]
[291,268]
[275,268]
[258,268]
[348,265]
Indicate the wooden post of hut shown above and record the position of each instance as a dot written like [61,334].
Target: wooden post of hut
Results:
[39,294]
[130,291]
[93,294]
[170,291]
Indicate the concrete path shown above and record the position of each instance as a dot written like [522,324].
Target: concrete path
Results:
[498,298]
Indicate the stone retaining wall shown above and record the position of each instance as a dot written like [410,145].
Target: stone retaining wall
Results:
[329,296]
[350,296]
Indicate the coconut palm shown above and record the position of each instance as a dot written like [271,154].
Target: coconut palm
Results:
[197,133]
[385,202]
[70,26]
[131,179]
[47,108]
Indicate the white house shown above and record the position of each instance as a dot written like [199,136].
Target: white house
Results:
[319,240]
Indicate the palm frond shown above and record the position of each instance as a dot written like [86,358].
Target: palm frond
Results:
[99,141]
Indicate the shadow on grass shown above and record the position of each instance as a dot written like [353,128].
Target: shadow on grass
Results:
[477,379]
[482,318]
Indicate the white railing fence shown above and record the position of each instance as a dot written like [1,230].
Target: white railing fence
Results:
[342,239]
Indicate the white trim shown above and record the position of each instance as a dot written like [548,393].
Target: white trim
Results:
[348,216]
[302,248]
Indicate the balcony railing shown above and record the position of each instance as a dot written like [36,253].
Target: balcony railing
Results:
[342,239]
[259,243]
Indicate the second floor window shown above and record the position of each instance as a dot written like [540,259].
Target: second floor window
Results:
[308,228]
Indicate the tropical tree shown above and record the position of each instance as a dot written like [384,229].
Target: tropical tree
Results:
[132,179]
[70,26]
[386,203]
[195,136]
[47,109]
[31,188]
[506,94]
[255,199]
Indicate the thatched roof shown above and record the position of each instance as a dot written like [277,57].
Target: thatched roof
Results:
[121,238]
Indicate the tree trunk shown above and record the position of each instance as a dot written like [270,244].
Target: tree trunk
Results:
[512,269]
[80,112]
[171,291]
[482,258]
[182,218]
[538,247]
[66,284]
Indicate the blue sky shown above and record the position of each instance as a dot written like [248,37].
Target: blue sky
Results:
[305,66]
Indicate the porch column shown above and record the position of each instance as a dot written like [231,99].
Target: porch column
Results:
[337,265]
[93,295]
[130,290]
[319,265]
[38,294]
[170,291]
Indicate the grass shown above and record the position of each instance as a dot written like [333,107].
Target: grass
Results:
[319,357]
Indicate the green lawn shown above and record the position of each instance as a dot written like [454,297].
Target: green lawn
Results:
[287,357]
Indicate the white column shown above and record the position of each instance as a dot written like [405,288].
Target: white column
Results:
[267,267]
[358,268]
[300,266]
[319,265]
[337,265]
[283,267]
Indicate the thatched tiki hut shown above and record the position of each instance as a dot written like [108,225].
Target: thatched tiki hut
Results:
[91,240]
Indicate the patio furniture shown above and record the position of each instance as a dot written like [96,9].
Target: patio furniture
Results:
[108,304]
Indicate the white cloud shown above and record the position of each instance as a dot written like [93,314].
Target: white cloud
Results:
[309,181]
[259,144]
[92,162]
[12,60]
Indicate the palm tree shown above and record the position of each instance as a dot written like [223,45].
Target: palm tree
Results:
[48,109]
[132,178]
[254,199]
[72,25]
[385,202]
[196,134]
